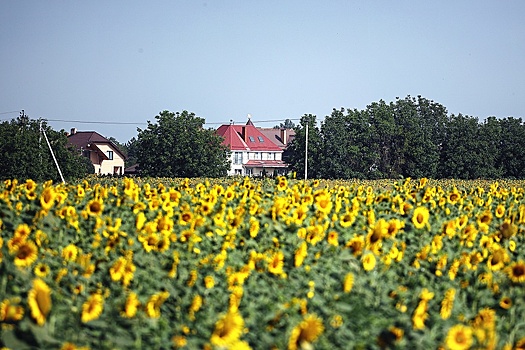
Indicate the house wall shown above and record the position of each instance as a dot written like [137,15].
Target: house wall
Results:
[108,166]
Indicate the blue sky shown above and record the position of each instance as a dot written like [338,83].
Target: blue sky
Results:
[125,61]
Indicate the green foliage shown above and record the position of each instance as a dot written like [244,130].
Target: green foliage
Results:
[177,145]
[297,148]
[349,152]
[24,153]
[511,157]
[411,137]
[288,124]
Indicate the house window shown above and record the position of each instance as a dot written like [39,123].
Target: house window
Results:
[238,171]
[271,156]
[110,155]
[237,158]
[260,138]
[249,171]
[256,155]
[251,138]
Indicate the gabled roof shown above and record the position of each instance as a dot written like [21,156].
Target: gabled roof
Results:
[89,140]
[246,138]
[281,137]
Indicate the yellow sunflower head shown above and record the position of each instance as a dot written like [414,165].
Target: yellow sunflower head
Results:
[39,300]
[459,337]
[420,217]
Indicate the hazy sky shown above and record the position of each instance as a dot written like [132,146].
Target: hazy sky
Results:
[125,61]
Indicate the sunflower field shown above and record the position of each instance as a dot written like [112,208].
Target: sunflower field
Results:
[244,263]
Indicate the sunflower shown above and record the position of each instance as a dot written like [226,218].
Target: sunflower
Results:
[356,244]
[92,308]
[95,207]
[254,227]
[22,230]
[41,270]
[47,198]
[369,261]
[26,254]
[117,270]
[154,303]
[306,332]
[420,217]
[516,271]
[447,303]
[484,220]
[507,229]
[39,301]
[496,261]
[276,263]
[131,306]
[347,219]
[459,337]
[333,238]
[70,252]
[300,254]
[195,306]
[505,303]
[500,211]
[10,310]
[228,330]
[348,282]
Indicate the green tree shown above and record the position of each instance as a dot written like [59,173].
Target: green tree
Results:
[288,124]
[347,150]
[419,124]
[297,148]
[177,145]
[386,138]
[24,153]
[511,157]
[131,152]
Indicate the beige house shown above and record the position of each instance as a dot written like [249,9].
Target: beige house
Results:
[104,154]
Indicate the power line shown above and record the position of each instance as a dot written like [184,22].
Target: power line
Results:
[143,123]
[10,112]
[93,122]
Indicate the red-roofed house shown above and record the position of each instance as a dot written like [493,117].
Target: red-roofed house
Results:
[252,152]
[104,154]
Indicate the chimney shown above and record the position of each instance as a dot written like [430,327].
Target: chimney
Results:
[243,133]
[283,136]
[73,131]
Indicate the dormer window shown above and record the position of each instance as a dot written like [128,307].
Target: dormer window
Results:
[251,138]
[260,138]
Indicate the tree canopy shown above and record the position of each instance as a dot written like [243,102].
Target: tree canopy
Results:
[177,145]
[411,137]
[24,153]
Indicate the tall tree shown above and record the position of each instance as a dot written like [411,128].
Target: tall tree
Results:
[24,152]
[177,145]
[347,150]
[297,148]
[386,138]
[511,157]
[418,147]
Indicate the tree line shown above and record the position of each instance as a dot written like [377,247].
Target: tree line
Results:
[24,152]
[409,137]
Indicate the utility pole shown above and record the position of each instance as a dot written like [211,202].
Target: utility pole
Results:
[306,155]
[51,150]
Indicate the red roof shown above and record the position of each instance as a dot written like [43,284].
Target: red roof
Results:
[246,138]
